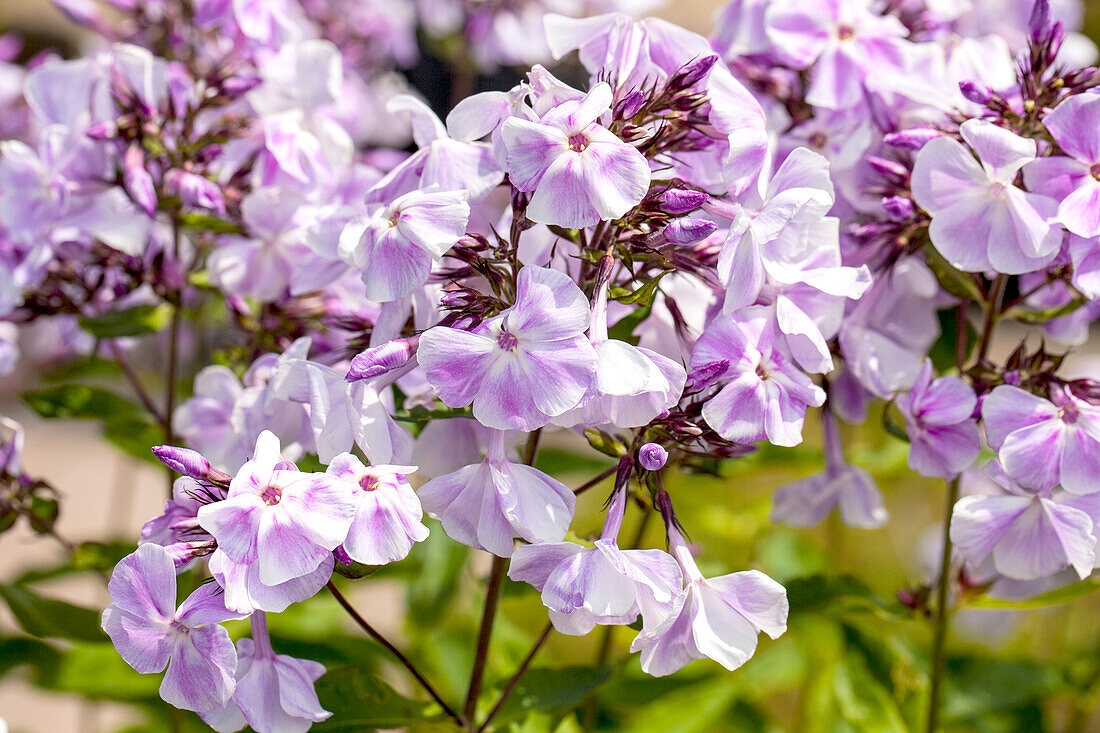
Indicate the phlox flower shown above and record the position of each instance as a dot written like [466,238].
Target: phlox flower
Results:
[807,501]
[282,520]
[387,515]
[1042,443]
[765,396]
[177,528]
[274,693]
[521,368]
[1073,179]
[939,419]
[718,617]
[150,633]
[632,384]
[1029,534]
[488,504]
[980,220]
[583,587]
[394,245]
[846,42]
[580,173]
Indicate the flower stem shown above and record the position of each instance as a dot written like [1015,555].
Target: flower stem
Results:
[516,677]
[992,312]
[943,613]
[489,612]
[374,634]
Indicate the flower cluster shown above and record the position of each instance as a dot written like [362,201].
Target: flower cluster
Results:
[708,245]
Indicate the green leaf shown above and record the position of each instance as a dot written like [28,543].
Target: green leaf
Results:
[572,235]
[128,322]
[97,672]
[952,280]
[21,651]
[697,708]
[206,223]
[1058,596]
[101,556]
[552,690]
[643,295]
[863,701]
[40,616]
[820,593]
[80,402]
[943,352]
[361,701]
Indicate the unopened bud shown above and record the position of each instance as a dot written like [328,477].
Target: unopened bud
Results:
[187,462]
[196,191]
[898,208]
[623,471]
[682,200]
[1039,21]
[976,92]
[629,105]
[652,456]
[378,360]
[891,170]
[137,181]
[911,139]
[692,73]
[689,231]
[237,86]
[102,131]
[706,374]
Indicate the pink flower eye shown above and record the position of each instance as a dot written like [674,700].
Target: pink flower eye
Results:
[578,143]
[507,341]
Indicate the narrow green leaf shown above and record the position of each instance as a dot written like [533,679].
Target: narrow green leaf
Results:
[1033,317]
[128,322]
[605,443]
[205,223]
[643,295]
[552,690]
[954,281]
[40,616]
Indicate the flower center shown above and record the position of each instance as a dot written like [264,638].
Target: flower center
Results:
[1069,413]
[507,341]
[368,483]
[1094,171]
[817,140]
[578,143]
[272,495]
[844,32]
[762,371]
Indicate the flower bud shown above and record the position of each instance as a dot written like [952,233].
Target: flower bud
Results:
[102,131]
[238,86]
[378,360]
[682,200]
[689,231]
[891,170]
[137,181]
[196,191]
[285,465]
[652,456]
[703,376]
[976,92]
[911,139]
[629,105]
[898,208]
[187,462]
[691,73]
[1039,21]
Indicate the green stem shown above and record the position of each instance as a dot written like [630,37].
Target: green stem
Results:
[374,634]
[173,356]
[943,613]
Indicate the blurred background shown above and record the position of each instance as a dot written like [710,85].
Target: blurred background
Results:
[1048,658]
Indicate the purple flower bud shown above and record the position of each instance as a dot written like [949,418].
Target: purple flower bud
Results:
[629,105]
[137,181]
[623,471]
[692,73]
[689,231]
[898,208]
[102,131]
[81,12]
[976,92]
[891,170]
[704,375]
[196,191]
[10,46]
[652,456]
[378,360]
[187,462]
[1039,21]
[682,200]
[285,465]
[237,86]
[1082,79]
[911,139]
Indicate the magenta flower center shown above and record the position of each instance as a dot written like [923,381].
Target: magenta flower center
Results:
[368,483]
[817,140]
[272,495]
[507,341]
[578,143]
[844,32]
[1094,171]
[762,371]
